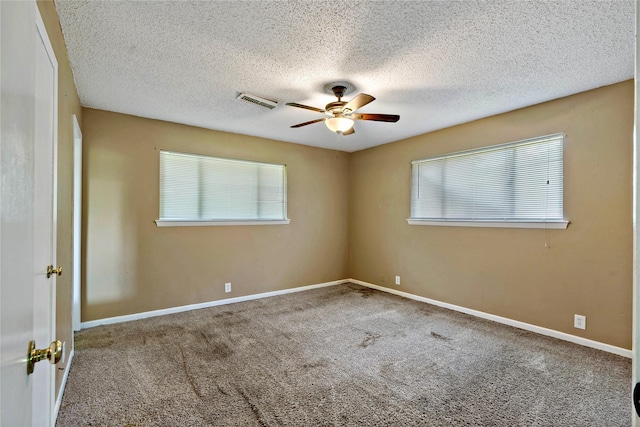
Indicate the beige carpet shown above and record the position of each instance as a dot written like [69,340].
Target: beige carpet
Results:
[338,356]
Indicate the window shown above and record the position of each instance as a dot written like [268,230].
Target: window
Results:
[202,190]
[511,185]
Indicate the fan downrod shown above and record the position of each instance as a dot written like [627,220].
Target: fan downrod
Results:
[338,92]
[347,88]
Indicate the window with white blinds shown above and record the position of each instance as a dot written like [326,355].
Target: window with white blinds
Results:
[521,182]
[200,188]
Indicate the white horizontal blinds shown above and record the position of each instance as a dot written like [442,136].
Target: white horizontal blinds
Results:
[229,189]
[271,194]
[521,182]
[538,185]
[179,186]
[226,189]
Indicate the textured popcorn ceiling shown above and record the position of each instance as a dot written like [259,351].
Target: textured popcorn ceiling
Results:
[435,63]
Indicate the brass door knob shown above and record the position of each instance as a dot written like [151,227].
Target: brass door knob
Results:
[51,271]
[53,353]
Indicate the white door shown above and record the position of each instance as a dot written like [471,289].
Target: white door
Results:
[44,206]
[28,103]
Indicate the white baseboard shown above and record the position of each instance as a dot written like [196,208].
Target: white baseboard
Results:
[146,314]
[62,386]
[517,324]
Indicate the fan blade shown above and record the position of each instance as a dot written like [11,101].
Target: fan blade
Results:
[358,102]
[349,132]
[306,107]
[308,123]
[376,117]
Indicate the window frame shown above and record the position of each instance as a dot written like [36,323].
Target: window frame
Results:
[193,222]
[491,223]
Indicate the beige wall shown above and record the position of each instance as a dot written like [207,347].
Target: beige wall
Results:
[68,105]
[132,266]
[359,230]
[509,272]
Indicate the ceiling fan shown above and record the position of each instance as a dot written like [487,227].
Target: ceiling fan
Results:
[341,114]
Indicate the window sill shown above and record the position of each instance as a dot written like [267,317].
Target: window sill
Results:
[183,223]
[549,225]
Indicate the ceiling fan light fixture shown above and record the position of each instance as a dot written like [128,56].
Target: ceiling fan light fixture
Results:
[339,115]
[339,124]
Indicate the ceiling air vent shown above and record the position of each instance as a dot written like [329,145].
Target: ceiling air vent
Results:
[263,102]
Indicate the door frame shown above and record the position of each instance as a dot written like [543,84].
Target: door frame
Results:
[636,232]
[76,317]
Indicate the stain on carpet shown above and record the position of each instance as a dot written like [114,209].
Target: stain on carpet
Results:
[356,289]
[426,309]
[254,408]
[369,339]
[319,364]
[365,292]
[186,373]
[440,337]
[221,390]
[228,319]
[220,350]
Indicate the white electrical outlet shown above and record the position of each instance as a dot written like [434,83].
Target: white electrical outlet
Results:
[579,321]
[397,280]
[227,287]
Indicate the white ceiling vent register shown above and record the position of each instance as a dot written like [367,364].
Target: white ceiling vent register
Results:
[263,102]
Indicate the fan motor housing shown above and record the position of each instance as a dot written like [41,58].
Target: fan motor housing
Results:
[335,107]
